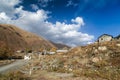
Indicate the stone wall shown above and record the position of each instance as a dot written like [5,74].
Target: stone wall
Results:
[105,38]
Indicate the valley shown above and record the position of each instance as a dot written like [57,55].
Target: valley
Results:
[40,59]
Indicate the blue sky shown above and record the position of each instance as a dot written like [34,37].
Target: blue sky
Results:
[102,16]
[76,22]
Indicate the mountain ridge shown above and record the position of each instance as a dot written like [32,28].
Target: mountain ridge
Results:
[17,38]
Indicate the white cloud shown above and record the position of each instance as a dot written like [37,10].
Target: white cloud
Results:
[78,20]
[8,6]
[44,3]
[71,3]
[34,7]
[3,16]
[37,22]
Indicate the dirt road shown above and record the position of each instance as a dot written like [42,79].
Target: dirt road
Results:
[13,66]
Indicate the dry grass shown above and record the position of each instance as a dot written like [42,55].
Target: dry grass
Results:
[103,73]
[79,61]
[18,39]
[16,75]
[5,62]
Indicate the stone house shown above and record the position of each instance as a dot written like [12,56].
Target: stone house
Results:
[105,37]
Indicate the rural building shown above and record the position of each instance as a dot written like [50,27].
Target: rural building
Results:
[105,37]
[27,57]
[62,51]
[117,38]
[51,52]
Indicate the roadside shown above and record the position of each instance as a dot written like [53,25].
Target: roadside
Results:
[6,62]
[44,75]
[13,66]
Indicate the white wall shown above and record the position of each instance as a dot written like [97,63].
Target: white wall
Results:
[105,38]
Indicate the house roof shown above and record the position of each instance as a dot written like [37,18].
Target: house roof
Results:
[118,36]
[105,35]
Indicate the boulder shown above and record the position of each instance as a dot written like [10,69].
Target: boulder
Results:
[102,48]
[118,45]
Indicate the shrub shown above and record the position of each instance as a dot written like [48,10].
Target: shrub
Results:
[104,73]
[5,51]
[14,76]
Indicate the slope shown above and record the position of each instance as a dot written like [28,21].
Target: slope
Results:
[17,38]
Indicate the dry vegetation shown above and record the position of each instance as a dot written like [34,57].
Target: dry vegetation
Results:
[80,63]
[98,61]
[18,39]
[5,51]
[5,62]
[16,75]
[87,61]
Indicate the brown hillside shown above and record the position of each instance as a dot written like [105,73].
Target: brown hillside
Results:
[60,46]
[19,39]
[99,61]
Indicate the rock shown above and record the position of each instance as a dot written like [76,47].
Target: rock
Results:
[65,66]
[118,45]
[65,56]
[96,59]
[70,69]
[102,48]
[96,51]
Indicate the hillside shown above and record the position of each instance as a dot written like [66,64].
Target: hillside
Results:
[17,38]
[98,61]
[60,46]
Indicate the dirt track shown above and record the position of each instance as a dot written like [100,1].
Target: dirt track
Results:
[13,66]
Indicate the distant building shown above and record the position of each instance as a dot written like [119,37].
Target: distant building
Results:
[105,37]
[62,51]
[51,52]
[117,38]
[20,51]
[27,57]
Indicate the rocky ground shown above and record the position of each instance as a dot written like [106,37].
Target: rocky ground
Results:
[98,61]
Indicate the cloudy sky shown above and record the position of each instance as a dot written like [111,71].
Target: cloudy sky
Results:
[72,22]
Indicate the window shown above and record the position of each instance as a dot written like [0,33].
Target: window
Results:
[101,38]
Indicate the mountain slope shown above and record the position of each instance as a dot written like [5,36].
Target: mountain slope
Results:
[97,61]
[60,46]
[19,39]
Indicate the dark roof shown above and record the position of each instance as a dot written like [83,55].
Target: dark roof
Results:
[103,35]
[118,36]
[106,35]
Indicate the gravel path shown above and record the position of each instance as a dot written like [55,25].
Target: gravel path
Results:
[13,66]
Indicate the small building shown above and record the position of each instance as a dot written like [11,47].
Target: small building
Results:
[20,51]
[51,52]
[117,38]
[62,51]
[27,57]
[105,37]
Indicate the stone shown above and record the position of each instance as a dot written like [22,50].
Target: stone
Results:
[118,45]
[95,59]
[96,51]
[102,48]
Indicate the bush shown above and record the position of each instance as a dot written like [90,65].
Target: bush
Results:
[104,73]
[14,76]
[5,51]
